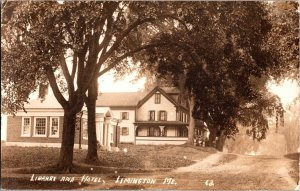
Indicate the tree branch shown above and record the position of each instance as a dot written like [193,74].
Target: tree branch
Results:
[74,68]
[52,80]
[81,60]
[66,73]
[107,37]
[121,37]
[116,62]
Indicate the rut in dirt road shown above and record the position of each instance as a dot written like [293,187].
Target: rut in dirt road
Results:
[243,164]
[201,165]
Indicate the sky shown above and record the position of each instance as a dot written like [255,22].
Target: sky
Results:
[287,90]
[128,84]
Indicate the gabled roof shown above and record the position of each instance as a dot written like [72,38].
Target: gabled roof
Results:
[135,99]
[118,99]
[156,89]
[171,90]
[49,102]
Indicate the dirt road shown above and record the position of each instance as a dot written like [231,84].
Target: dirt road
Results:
[245,172]
[219,171]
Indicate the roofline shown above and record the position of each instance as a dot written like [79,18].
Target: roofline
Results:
[147,97]
[123,107]
[184,108]
[161,123]
[41,108]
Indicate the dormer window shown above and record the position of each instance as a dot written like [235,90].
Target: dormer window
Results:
[157,98]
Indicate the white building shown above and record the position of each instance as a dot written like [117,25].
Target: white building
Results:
[154,117]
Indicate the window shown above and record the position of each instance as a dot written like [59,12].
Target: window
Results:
[162,115]
[84,129]
[151,115]
[177,116]
[40,126]
[154,132]
[54,127]
[157,98]
[181,116]
[124,115]
[26,124]
[181,132]
[125,131]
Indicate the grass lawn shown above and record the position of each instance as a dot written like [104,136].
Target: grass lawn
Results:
[137,157]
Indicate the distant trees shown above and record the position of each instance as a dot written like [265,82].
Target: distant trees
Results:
[291,126]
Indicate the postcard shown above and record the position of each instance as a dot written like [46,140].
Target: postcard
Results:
[150,95]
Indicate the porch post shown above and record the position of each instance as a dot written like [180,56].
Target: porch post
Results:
[162,128]
[135,128]
[107,133]
[135,133]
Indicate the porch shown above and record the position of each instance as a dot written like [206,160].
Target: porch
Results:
[160,133]
[160,140]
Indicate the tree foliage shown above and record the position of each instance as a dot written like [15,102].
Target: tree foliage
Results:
[283,39]
[220,48]
[221,53]
[69,46]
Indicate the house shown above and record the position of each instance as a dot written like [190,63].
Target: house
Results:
[154,117]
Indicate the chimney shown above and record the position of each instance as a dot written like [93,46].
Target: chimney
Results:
[158,81]
[43,91]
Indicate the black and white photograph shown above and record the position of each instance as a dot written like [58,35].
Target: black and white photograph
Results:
[150,95]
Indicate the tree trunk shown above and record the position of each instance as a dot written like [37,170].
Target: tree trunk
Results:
[221,141]
[92,155]
[190,141]
[212,136]
[65,162]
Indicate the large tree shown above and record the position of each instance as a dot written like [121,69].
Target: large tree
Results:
[143,17]
[283,39]
[69,46]
[216,51]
